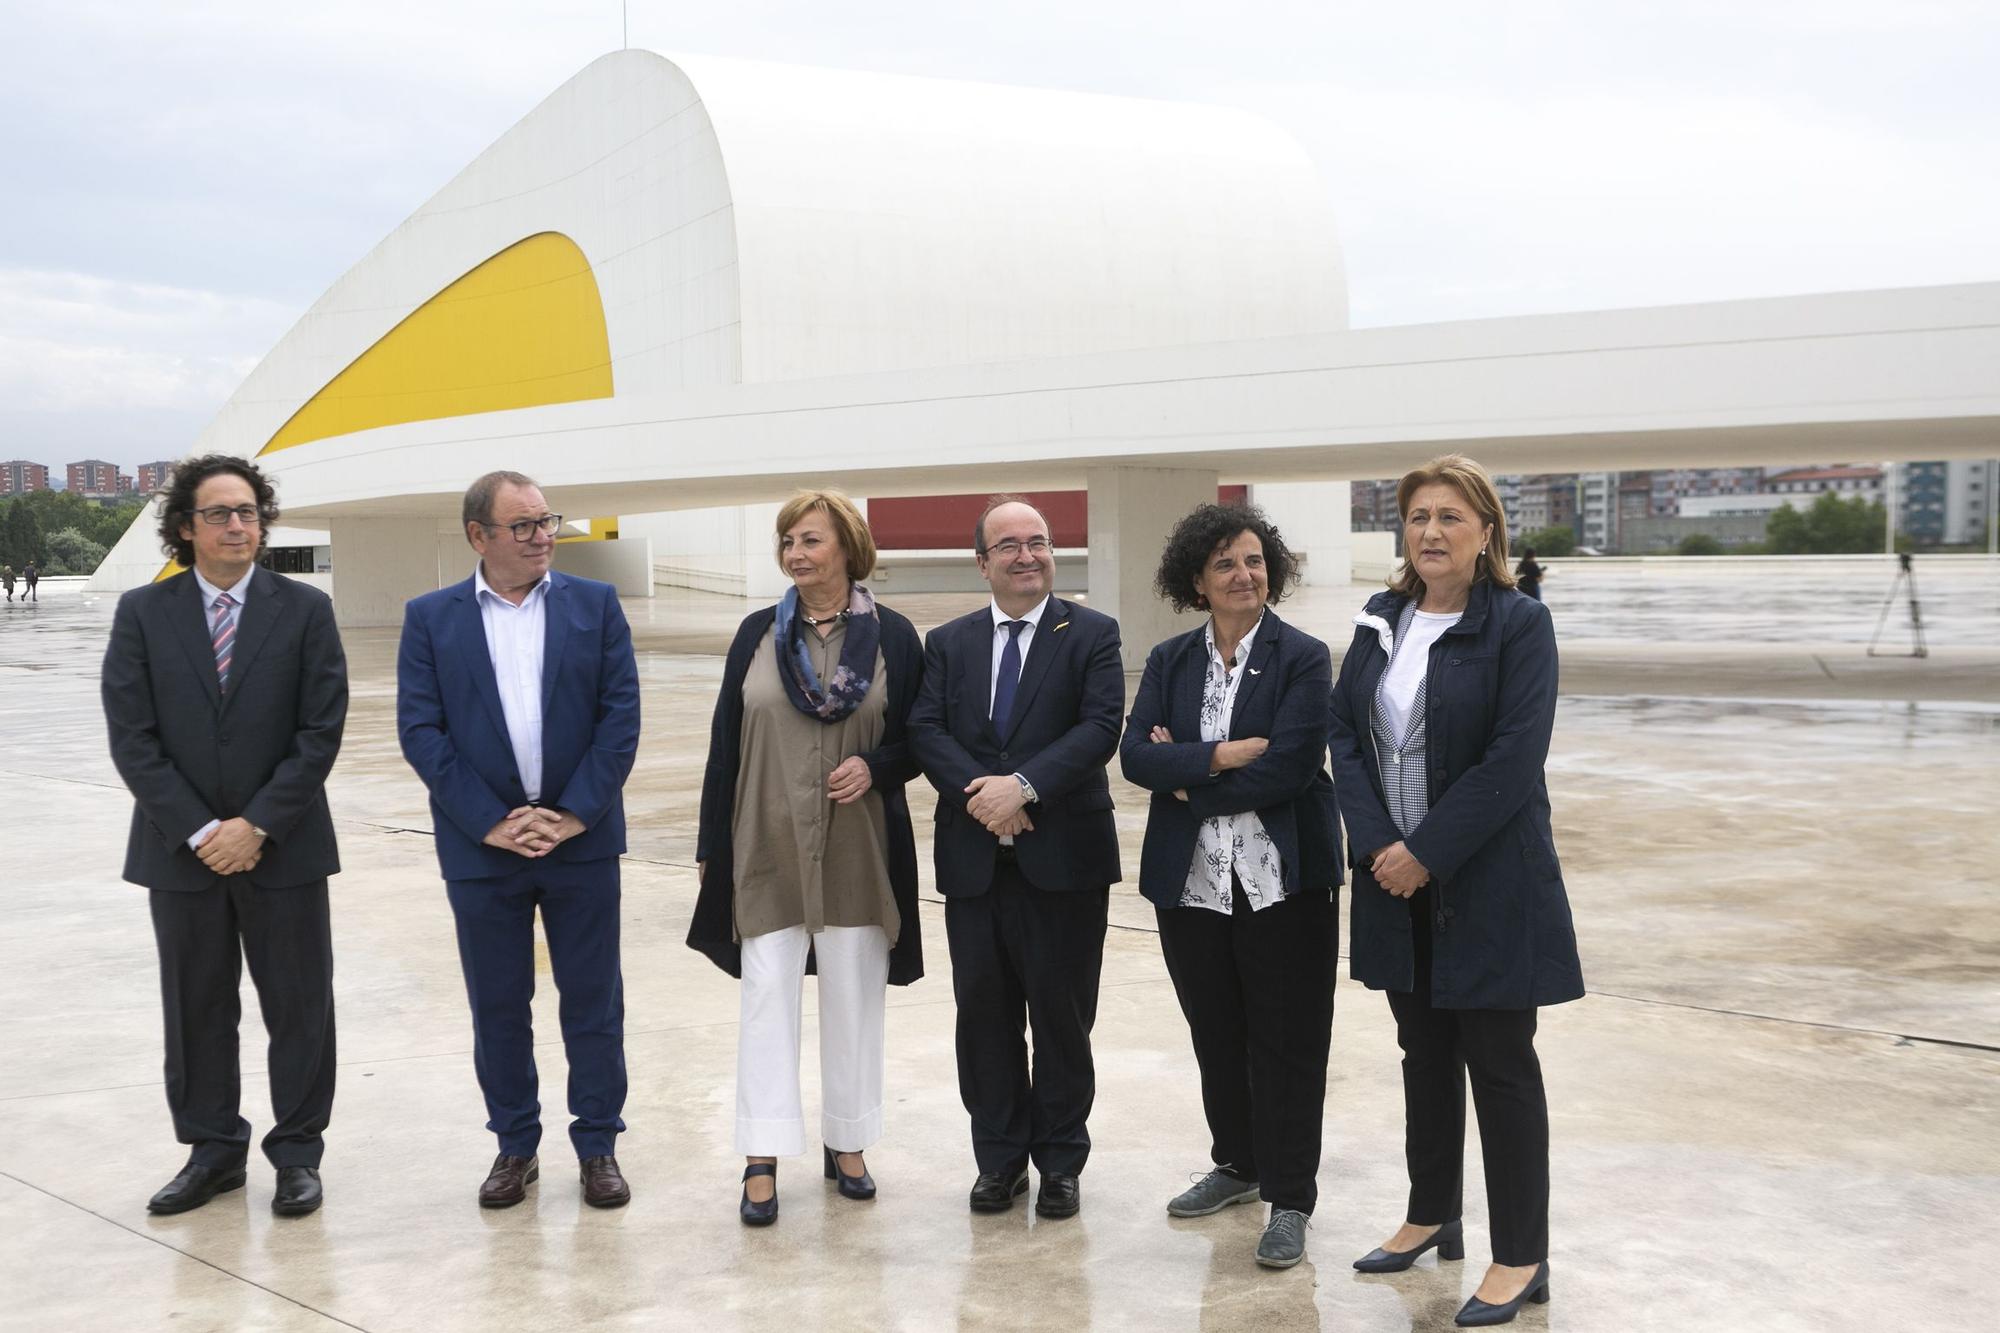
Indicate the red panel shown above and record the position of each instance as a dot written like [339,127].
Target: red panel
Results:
[944,522]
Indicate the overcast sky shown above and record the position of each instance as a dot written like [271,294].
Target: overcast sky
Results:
[183,179]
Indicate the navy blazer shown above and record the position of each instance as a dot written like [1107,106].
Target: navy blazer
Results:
[1063,732]
[1283,698]
[190,753]
[455,735]
[1501,933]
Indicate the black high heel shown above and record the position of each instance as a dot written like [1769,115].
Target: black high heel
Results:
[1477,1313]
[765,1213]
[854,1187]
[1448,1240]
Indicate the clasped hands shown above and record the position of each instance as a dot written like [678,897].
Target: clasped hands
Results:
[1396,870]
[533,831]
[232,848]
[1000,804]
[1228,754]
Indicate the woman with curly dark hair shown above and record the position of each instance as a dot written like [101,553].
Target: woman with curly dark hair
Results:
[1241,861]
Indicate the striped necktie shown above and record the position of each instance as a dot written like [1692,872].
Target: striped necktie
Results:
[222,637]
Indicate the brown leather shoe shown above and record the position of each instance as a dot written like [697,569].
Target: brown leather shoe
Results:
[507,1183]
[603,1184]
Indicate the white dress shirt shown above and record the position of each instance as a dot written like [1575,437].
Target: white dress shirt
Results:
[1230,843]
[1409,662]
[209,592]
[515,636]
[1000,633]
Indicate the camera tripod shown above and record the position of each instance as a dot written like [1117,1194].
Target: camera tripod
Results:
[1905,582]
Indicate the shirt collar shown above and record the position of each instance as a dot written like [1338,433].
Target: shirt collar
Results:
[481,589]
[1034,617]
[209,592]
[1242,647]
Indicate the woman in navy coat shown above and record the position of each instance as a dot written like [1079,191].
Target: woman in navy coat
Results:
[1441,723]
[1241,861]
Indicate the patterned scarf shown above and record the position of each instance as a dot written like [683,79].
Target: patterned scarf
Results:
[835,699]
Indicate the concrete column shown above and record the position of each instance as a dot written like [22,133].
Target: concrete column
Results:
[1132,509]
[380,563]
[626,564]
[1316,521]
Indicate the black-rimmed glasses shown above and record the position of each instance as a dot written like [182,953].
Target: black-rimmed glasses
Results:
[218,515]
[1010,548]
[526,529]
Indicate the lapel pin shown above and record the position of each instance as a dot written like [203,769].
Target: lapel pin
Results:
[1060,628]
[1255,672]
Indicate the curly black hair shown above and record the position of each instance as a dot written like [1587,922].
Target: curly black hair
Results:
[177,501]
[1210,527]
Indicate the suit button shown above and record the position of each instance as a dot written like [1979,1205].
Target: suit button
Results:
[222,740]
[1440,920]
[1003,756]
[1450,912]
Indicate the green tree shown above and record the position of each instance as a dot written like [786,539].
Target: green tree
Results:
[20,535]
[70,552]
[1551,541]
[1699,543]
[1832,526]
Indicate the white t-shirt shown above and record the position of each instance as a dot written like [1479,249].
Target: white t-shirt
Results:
[1407,667]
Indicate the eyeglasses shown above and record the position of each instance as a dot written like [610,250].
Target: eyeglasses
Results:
[1010,548]
[528,527]
[218,515]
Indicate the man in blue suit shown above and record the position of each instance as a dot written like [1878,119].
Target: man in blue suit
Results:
[1019,711]
[518,705]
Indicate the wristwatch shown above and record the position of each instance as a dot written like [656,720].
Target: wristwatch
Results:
[1027,789]
[259,832]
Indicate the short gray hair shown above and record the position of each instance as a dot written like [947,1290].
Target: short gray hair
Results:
[479,496]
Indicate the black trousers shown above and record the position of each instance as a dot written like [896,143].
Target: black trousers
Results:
[204,938]
[1257,991]
[1021,956]
[1497,1048]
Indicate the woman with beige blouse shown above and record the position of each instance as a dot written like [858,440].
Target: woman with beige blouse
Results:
[806,856]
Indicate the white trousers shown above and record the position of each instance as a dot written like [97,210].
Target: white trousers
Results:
[853,980]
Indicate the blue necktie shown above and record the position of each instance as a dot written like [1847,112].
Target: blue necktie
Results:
[1010,675]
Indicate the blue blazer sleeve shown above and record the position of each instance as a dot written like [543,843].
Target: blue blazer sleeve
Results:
[1162,766]
[1369,828]
[947,764]
[1297,741]
[420,725]
[614,737]
[1063,765]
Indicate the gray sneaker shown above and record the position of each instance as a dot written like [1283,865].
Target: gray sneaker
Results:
[1284,1242]
[1211,1194]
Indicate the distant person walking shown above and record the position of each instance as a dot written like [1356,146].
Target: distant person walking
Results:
[1528,574]
[33,576]
[1441,723]
[7,577]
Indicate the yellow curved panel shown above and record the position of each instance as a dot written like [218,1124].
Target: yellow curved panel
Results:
[523,329]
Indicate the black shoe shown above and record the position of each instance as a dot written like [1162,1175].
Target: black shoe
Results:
[298,1193]
[854,1187]
[994,1191]
[195,1186]
[1477,1313]
[1060,1196]
[1448,1240]
[765,1213]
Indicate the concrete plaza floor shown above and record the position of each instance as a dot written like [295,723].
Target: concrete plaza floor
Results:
[1775,1110]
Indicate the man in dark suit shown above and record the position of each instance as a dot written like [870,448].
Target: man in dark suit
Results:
[518,705]
[225,691]
[1019,712]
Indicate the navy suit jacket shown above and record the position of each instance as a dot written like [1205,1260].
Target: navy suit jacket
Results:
[191,753]
[454,733]
[1285,698]
[1063,731]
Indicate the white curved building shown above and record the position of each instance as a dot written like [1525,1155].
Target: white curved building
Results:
[689,285]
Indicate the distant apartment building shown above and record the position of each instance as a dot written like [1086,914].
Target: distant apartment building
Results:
[153,476]
[95,479]
[1372,506]
[1597,510]
[1944,503]
[1671,485]
[1546,500]
[19,476]
[1842,479]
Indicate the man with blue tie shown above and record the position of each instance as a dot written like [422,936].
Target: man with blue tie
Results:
[518,705]
[1019,712]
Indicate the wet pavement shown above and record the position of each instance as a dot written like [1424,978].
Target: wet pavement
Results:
[1777,1098]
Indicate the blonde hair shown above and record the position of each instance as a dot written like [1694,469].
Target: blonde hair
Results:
[850,529]
[1470,481]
